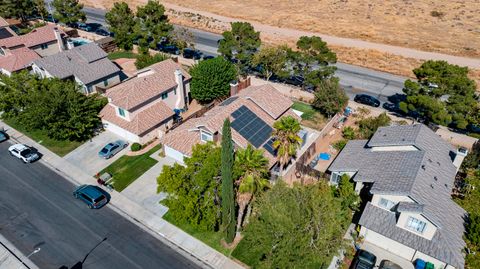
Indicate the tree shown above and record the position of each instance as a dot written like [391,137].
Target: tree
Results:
[152,25]
[346,192]
[368,126]
[145,60]
[240,43]
[194,190]
[52,105]
[68,11]
[251,169]
[348,133]
[443,94]
[329,97]
[183,38]
[211,79]
[121,21]
[287,141]
[228,199]
[40,8]
[272,60]
[473,229]
[294,227]
[19,9]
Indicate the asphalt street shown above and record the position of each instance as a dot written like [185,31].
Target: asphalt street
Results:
[37,209]
[354,79]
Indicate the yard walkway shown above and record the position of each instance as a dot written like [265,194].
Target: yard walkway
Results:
[209,257]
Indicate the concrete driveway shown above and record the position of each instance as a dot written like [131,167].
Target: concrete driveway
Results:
[86,157]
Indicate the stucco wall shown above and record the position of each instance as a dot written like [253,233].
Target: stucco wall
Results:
[395,148]
[52,48]
[111,81]
[429,231]
[388,244]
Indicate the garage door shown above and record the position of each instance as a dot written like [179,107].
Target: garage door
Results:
[174,154]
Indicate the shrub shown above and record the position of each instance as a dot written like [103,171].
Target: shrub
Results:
[136,147]
[340,144]
[438,14]
[348,133]
[145,60]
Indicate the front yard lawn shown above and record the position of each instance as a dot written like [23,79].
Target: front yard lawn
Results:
[127,169]
[210,238]
[59,147]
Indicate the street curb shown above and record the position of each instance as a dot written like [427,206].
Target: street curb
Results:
[17,253]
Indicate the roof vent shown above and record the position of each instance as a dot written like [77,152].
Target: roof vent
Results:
[438,163]
[430,160]
[423,166]
[436,178]
[446,186]
[431,185]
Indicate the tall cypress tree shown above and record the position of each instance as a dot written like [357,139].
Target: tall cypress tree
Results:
[228,199]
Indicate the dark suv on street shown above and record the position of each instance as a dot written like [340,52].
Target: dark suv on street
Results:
[367,100]
[93,196]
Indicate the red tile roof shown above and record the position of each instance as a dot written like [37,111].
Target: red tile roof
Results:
[151,83]
[3,22]
[36,37]
[18,59]
[261,100]
[142,121]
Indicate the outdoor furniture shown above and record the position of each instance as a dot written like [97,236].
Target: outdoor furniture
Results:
[420,264]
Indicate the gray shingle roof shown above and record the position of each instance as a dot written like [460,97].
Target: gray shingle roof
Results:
[409,207]
[426,175]
[88,63]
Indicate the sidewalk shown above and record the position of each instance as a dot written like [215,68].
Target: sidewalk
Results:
[12,258]
[173,235]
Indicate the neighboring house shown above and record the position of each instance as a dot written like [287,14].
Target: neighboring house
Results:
[45,41]
[407,173]
[252,113]
[88,65]
[18,52]
[143,107]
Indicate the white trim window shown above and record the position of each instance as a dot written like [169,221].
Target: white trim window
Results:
[415,225]
[121,112]
[204,136]
[386,204]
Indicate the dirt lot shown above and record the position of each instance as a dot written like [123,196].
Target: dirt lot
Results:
[451,27]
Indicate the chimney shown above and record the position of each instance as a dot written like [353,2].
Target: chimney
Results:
[233,88]
[61,46]
[459,156]
[180,103]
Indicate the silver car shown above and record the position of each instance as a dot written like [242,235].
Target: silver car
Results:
[113,148]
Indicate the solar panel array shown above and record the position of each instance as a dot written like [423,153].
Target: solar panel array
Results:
[228,101]
[269,147]
[251,127]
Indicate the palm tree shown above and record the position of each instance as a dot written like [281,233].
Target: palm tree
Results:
[251,170]
[287,141]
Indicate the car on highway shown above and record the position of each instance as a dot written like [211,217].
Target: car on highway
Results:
[189,53]
[3,136]
[102,32]
[364,260]
[367,100]
[91,195]
[386,264]
[111,149]
[24,153]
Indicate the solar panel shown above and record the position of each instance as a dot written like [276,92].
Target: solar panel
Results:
[269,147]
[251,127]
[4,33]
[228,101]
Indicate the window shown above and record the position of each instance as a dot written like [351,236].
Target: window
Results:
[43,46]
[415,225]
[164,95]
[335,178]
[206,136]
[121,112]
[105,83]
[385,203]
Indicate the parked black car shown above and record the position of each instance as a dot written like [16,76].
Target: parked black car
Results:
[192,54]
[102,32]
[168,48]
[294,80]
[364,260]
[367,100]
[390,107]
[208,57]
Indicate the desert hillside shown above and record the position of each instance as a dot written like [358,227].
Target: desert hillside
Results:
[451,27]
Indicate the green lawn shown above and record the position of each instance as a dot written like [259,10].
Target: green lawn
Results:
[122,54]
[210,238]
[127,169]
[59,147]
[307,109]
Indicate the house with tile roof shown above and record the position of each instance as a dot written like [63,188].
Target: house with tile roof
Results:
[252,113]
[88,65]
[407,173]
[17,52]
[143,107]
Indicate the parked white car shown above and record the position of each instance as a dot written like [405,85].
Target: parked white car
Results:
[23,152]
